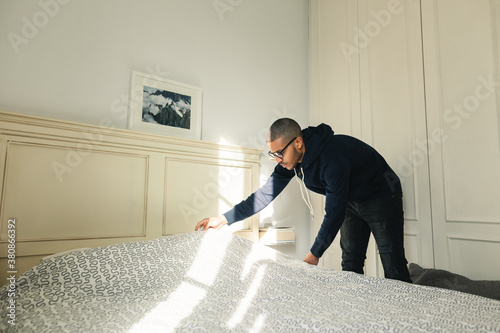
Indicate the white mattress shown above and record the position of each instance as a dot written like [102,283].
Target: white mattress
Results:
[217,282]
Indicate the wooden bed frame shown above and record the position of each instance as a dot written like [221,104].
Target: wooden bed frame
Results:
[68,185]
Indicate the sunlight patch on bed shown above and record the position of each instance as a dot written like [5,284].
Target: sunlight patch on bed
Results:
[204,270]
[258,253]
[246,301]
[181,303]
[167,315]
[258,325]
[208,260]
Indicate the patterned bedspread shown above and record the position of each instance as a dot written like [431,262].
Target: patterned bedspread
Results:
[217,282]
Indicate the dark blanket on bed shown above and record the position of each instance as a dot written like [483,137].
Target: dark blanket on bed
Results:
[447,280]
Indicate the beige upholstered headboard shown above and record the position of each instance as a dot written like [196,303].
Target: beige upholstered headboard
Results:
[69,185]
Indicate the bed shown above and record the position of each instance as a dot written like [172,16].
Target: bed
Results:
[216,281]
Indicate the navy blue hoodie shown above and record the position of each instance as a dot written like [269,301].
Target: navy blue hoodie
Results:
[341,167]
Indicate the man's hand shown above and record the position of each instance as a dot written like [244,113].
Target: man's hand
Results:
[311,259]
[211,222]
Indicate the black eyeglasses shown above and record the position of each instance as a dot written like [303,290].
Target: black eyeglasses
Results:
[279,153]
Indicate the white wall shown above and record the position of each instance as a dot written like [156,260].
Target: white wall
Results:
[72,60]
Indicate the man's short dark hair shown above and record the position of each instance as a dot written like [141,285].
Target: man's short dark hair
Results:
[284,128]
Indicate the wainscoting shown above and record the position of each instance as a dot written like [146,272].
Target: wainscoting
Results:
[70,185]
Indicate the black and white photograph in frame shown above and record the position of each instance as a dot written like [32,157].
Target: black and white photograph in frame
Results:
[162,106]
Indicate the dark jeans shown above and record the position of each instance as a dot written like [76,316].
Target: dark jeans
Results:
[384,218]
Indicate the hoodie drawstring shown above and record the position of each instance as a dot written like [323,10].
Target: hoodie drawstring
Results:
[302,183]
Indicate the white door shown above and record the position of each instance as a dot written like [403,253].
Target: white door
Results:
[367,80]
[461,40]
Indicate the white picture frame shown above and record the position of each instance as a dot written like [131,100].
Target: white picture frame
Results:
[165,107]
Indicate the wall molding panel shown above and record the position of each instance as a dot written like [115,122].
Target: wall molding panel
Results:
[35,191]
[468,256]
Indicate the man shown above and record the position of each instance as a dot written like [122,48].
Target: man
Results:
[363,194]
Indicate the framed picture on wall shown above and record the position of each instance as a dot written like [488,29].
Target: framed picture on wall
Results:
[166,107]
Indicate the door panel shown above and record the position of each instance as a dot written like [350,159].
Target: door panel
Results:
[367,81]
[462,87]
